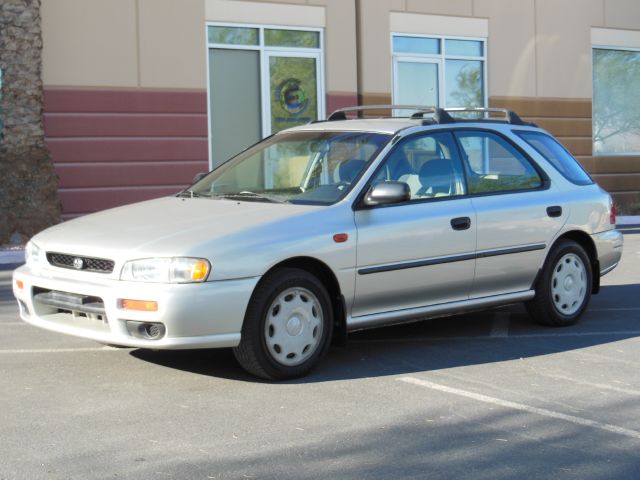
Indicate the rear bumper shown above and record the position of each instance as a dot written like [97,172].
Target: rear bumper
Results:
[609,247]
[202,315]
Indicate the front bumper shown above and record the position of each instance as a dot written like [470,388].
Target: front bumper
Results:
[609,246]
[196,315]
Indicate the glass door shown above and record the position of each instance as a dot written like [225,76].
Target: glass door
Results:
[291,91]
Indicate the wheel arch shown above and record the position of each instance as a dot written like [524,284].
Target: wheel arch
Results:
[585,241]
[324,273]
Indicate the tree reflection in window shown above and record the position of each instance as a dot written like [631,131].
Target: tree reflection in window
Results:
[616,101]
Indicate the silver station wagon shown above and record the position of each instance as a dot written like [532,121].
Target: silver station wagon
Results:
[339,225]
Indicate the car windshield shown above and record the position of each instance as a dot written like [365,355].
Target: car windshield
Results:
[297,167]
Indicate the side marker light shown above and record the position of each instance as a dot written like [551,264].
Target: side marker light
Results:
[340,237]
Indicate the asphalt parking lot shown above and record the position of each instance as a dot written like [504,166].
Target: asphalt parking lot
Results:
[480,396]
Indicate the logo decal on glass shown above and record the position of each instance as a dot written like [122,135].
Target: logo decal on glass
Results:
[292,96]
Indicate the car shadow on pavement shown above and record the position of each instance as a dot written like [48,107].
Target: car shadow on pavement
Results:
[438,344]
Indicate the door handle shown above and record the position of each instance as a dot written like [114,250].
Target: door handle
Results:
[554,211]
[461,223]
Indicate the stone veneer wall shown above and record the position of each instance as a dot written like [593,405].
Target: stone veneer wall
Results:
[28,184]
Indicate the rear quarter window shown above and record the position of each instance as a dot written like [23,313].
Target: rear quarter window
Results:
[557,155]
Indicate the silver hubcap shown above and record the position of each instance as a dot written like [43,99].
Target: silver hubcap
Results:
[569,284]
[293,327]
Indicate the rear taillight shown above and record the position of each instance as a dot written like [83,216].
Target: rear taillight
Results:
[612,212]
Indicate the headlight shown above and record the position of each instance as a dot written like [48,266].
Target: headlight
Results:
[166,270]
[32,253]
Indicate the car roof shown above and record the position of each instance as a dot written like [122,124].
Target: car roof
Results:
[379,125]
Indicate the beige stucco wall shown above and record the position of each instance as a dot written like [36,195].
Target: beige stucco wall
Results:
[564,46]
[124,43]
[341,67]
[622,14]
[172,40]
[374,61]
[89,42]
[511,47]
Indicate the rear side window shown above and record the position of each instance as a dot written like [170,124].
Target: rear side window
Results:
[494,165]
[557,156]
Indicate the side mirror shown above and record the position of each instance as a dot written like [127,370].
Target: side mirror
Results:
[199,176]
[386,193]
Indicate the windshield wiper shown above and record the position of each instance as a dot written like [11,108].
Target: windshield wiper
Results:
[245,195]
[192,194]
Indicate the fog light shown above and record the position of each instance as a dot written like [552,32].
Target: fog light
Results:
[146,330]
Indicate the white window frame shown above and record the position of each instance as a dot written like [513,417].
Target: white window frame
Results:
[607,47]
[440,58]
[264,53]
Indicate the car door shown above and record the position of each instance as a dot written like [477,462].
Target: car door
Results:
[419,252]
[517,212]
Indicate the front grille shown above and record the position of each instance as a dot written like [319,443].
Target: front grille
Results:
[89,264]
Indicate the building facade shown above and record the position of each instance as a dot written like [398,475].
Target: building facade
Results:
[140,95]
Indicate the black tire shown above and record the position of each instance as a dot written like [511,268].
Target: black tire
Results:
[253,353]
[549,309]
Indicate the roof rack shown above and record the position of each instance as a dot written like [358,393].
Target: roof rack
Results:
[509,116]
[440,115]
[419,111]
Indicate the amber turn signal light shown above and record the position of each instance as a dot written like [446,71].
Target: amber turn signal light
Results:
[19,284]
[199,270]
[340,237]
[140,305]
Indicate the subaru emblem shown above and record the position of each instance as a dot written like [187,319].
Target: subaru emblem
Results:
[78,263]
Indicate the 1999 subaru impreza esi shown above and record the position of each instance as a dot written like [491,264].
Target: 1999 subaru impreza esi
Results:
[334,226]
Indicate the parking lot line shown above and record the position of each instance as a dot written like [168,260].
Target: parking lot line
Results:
[601,386]
[105,348]
[522,407]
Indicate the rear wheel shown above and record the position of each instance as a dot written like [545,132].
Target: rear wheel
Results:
[564,289]
[287,326]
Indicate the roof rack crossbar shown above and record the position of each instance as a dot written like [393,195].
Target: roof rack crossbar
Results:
[509,116]
[439,115]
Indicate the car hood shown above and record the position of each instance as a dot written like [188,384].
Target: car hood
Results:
[169,226]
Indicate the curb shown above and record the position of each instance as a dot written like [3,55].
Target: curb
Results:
[627,220]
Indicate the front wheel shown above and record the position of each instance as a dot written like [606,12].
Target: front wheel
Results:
[287,327]
[564,289]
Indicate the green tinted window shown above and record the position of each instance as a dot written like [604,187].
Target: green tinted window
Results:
[557,156]
[616,101]
[494,165]
[464,84]
[233,35]
[291,38]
